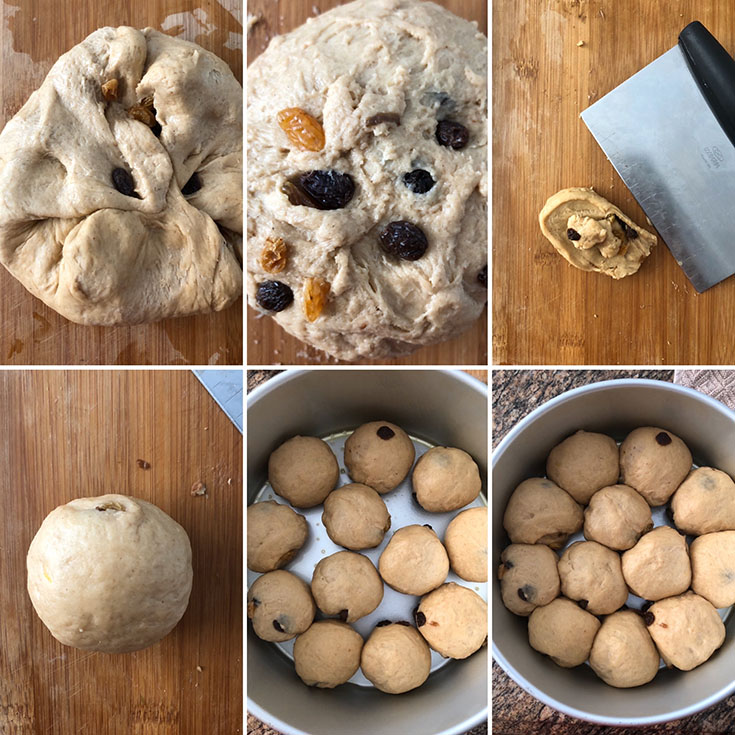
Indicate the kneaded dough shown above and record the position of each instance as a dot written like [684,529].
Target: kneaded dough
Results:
[164,248]
[327,654]
[704,502]
[355,517]
[616,517]
[529,577]
[275,534]
[466,543]
[111,573]
[303,470]
[396,658]
[594,235]
[713,567]
[414,561]
[445,479]
[280,606]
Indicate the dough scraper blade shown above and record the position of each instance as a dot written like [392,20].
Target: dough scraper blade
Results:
[225,386]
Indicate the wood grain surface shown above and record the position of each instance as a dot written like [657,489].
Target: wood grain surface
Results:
[34,34]
[68,434]
[544,310]
[268,344]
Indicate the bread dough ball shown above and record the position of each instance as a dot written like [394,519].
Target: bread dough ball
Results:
[111,573]
[328,654]
[528,576]
[687,630]
[445,479]
[583,463]
[414,561]
[713,567]
[623,654]
[396,658]
[563,631]
[540,512]
[303,470]
[705,502]
[379,454]
[466,543]
[658,565]
[355,517]
[654,462]
[453,620]
[590,573]
[280,606]
[616,517]
[275,534]
[346,584]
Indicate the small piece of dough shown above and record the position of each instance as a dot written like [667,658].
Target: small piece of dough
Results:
[280,606]
[466,543]
[713,567]
[446,479]
[705,502]
[414,561]
[603,239]
[327,654]
[355,517]
[529,577]
[275,534]
[616,517]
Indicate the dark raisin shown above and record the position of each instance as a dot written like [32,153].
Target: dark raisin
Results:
[403,622]
[385,432]
[648,618]
[628,231]
[418,181]
[508,564]
[382,623]
[646,605]
[669,513]
[522,594]
[274,295]
[404,240]
[343,615]
[426,525]
[157,130]
[420,619]
[573,234]
[482,276]
[663,438]
[192,185]
[452,134]
[632,234]
[278,627]
[124,183]
[143,464]
[255,601]
[583,603]
[413,495]
[383,117]
[320,189]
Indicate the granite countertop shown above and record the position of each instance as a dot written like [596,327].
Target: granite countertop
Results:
[514,712]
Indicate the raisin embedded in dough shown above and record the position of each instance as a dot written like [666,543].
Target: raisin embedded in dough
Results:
[529,577]
[275,534]
[616,517]
[446,479]
[355,517]
[280,606]
[713,567]
[327,654]
[704,502]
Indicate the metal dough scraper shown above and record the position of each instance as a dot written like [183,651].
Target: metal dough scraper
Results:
[669,131]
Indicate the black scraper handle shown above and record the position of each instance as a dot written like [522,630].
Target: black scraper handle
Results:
[714,70]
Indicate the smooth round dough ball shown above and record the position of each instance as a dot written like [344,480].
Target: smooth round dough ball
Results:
[466,543]
[583,463]
[563,631]
[445,479]
[654,462]
[705,502]
[275,534]
[540,512]
[529,577]
[453,620]
[414,561]
[327,654]
[590,573]
[379,454]
[687,630]
[280,606]
[616,517]
[658,565]
[623,654]
[111,573]
[346,584]
[355,517]
[713,567]
[396,658]
[303,470]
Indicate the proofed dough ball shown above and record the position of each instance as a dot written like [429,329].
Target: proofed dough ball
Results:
[529,577]
[414,561]
[687,630]
[327,654]
[623,654]
[563,631]
[453,619]
[616,517]
[396,658]
[110,574]
[713,567]
[583,463]
[654,462]
[705,502]
[379,454]
[355,517]
[280,606]
[590,573]
[445,479]
[275,534]
[346,584]
[303,470]
[466,543]
[541,512]
[658,565]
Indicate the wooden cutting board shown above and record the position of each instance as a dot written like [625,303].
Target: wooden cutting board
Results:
[268,344]
[33,36]
[545,311]
[70,434]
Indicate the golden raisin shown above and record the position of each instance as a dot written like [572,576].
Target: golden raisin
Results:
[302,129]
[274,255]
[109,90]
[143,111]
[315,296]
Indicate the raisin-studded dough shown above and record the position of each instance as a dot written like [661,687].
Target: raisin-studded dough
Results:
[705,502]
[355,517]
[713,567]
[445,478]
[529,577]
[327,654]
[280,606]
[466,543]
[92,253]
[616,517]
[275,534]
[414,561]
